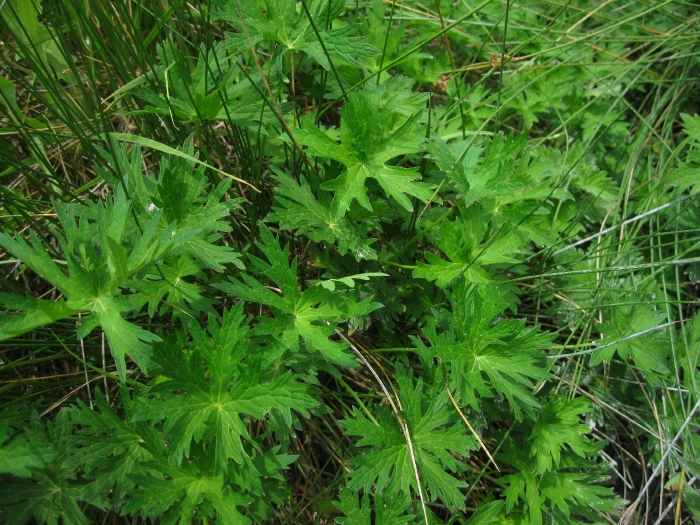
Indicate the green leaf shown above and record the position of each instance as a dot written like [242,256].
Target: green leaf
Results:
[435,435]
[8,97]
[691,125]
[37,259]
[175,494]
[462,240]
[349,281]
[209,403]
[197,211]
[686,174]
[169,288]
[567,495]
[124,337]
[387,511]
[343,48]
[164,148]
[281,22]
[311,315]
[502,171]
[110,448]
[97,266]
[20,455]
[356,512]
[691,498]
[105,248]
[215,90]
[622,324]
[37,313]
[365,150]
[297,208]
[53,494]
[558,427]
[22,19]
[487,355]
[487,514]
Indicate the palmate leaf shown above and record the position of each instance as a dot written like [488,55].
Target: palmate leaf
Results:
[489,514]
[123,337]
[210,92]
[383,33]
[633,315]
[558,427]
[21,454]
[37,313]
[593,189]
[296,208]
[53,494]
[185,195]
[311,315]
[505,182]
[183,199]
[98,264]
[365,150]
[175,494]
[388,511]
[686,174]
[501,172]
[281,22]
[435,434]
[276,489]
[462,241]
[110,448]
[569,494]
[210,403]
[169,288]
[189,206]
[356,512]
[486,355]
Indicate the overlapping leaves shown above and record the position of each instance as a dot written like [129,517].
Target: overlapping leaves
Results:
[297,208]
[436,434]
[98,264]
[180,493]
[463,241]
[311,316]
[387,511]
[631,329]
[53,493]
[565,495]
[210,403]
[211,92]
[110,448]
[503,169]
[290,27]
[366,148]
[486,354]
[105,249]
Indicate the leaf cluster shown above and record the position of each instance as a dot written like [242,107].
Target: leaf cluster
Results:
[290,261]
